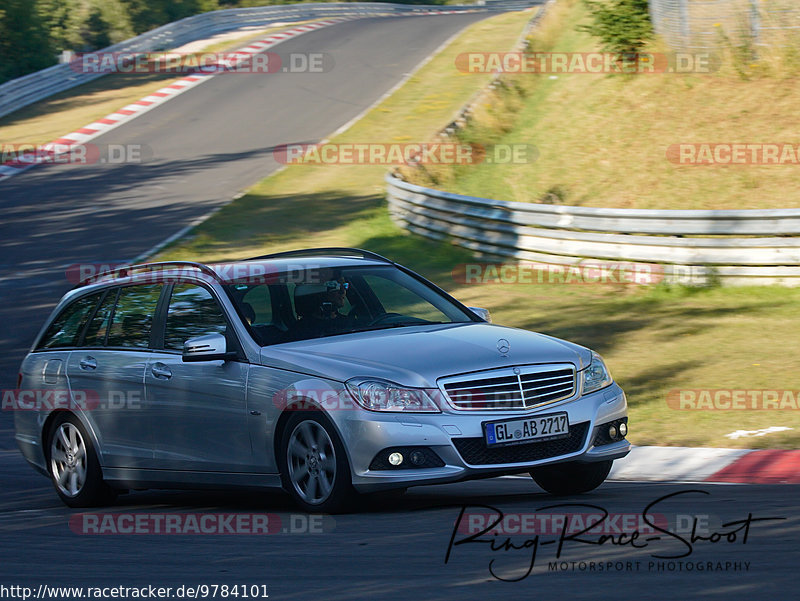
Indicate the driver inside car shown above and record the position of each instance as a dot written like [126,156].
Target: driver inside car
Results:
[318,309]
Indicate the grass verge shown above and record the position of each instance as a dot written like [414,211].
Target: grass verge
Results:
[655,339]
[603,139]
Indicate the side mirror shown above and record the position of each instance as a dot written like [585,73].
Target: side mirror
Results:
[210,347]
[482,313]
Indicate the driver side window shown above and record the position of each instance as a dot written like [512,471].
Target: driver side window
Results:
[193,311]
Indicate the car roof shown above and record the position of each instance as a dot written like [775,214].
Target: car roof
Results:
[225,271]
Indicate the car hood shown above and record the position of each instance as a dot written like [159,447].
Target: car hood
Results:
[419,355]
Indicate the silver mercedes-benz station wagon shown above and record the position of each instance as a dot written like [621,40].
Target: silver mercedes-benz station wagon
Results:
[325,372]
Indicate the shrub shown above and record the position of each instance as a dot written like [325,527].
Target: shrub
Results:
[623,26]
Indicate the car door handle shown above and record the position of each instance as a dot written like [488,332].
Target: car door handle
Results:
[159,370]
[88,363]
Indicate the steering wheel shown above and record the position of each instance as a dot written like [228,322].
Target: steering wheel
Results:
[383,317]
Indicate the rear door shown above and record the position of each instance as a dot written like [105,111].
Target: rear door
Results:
[108,369]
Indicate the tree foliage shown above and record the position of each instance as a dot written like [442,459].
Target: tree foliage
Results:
[623,26]
[147,14]
[25,45]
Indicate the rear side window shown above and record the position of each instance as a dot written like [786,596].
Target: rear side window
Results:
[65,330]
[133,316]
[193,311]
[98,327]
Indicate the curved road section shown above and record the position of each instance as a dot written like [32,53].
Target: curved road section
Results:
[208,144]
[201,148]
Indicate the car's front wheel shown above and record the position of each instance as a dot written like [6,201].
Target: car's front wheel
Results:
[315,470]
[74,466]
[571,478]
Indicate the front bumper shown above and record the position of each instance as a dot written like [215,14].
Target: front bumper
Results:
[456,437]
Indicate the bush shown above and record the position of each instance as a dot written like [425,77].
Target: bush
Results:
[623,25]
[24,44]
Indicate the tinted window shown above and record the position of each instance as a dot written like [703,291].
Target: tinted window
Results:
[98,327]
[390,289]
[343,306]
[66,328]
[331,301]
[254,302]
[133,316]
[193,311]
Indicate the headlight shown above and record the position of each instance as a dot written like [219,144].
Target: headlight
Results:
[596,376]
[381,395]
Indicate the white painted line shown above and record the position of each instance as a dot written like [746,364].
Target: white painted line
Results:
[654,464]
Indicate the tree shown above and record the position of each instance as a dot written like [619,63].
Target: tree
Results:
[96,31]
[24,43]
[623,25]
[105,22]
[62,20]
[148,14]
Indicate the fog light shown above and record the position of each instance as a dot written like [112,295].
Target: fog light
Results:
[612,431]
[623,429]
[417,457]
[396,458]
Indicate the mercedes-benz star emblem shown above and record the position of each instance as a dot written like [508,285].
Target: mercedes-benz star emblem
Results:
[503,346]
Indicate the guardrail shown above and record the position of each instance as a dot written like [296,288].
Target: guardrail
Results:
[28,89]
[694,246]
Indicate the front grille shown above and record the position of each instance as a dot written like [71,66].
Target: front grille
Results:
[475,452]
[511,388]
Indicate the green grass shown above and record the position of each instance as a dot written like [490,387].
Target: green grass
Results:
[603,139]
[655,339]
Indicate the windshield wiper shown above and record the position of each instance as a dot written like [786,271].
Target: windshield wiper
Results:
[400,324]
[387,326]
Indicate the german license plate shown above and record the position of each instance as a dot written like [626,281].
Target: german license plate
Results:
[526,429]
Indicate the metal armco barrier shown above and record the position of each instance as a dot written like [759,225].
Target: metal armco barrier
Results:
[738,247]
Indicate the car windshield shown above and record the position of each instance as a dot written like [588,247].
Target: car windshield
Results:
[315,303]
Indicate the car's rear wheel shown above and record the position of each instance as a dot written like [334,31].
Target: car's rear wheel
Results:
[571,478]
[74,466]
[315,470]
